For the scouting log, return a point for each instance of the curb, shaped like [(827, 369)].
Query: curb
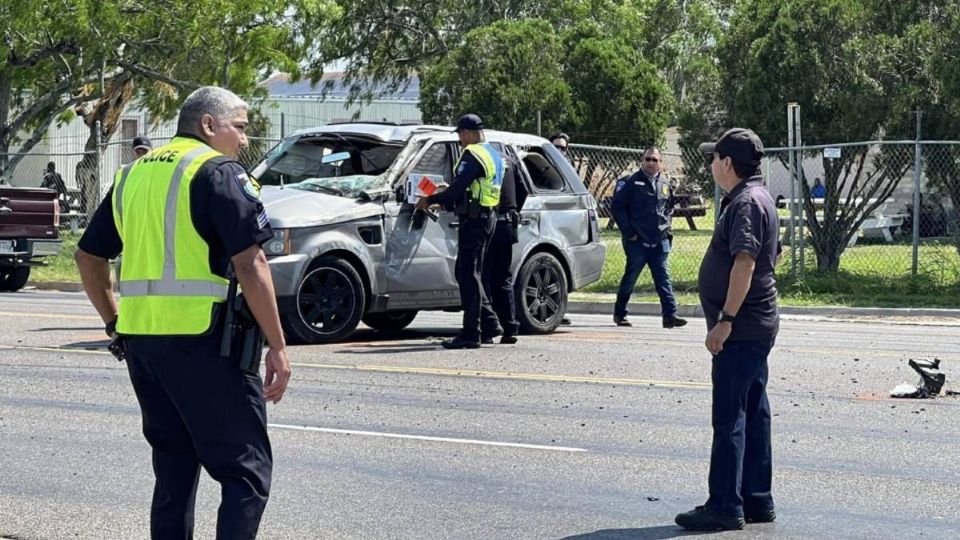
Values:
[(690, 310), (683, 310)]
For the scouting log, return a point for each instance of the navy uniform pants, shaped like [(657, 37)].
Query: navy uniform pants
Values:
[(741, 462), (639, 256), (498, 280), (473, 235), (200, 409)]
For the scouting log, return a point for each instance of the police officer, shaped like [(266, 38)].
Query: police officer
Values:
[(474, 195), (179, 216), (497, 277), (739, 298), (642, 207)]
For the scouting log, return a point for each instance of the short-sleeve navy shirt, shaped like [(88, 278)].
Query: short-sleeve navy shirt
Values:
[(227, 217), (748, 223)]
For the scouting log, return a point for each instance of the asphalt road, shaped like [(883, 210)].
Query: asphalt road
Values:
[(594, 432)]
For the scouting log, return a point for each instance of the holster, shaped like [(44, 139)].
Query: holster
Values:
[(248, 340)]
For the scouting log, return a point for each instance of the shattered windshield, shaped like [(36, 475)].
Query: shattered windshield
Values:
[(340, 165)]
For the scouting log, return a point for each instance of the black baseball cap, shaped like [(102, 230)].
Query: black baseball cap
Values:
[(142, 142), (471, 122), (739, 144)]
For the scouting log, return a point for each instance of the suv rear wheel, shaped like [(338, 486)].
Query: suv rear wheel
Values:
[(13, 278), (329, 303), (541, 293)]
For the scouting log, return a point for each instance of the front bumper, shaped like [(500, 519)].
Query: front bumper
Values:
[(287, 270)]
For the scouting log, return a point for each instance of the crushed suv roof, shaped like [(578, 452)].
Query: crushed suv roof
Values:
[(401, 133)]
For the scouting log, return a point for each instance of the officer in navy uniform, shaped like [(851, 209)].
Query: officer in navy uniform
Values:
[(474, 195), (198, 408), (643, 207), (497, 275), (738, 294)]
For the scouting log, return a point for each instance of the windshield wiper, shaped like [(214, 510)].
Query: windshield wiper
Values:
[(324, 189)]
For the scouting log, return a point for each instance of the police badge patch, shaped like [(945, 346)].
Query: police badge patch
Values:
[(666, 190), (250, 186), (620, 185)]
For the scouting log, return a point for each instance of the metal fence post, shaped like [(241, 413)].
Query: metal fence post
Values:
[(283, 125), (793, 191), (916, 198), (801, 207), (99, 169)]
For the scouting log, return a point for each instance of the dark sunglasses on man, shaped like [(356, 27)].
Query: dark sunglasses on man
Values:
[(651, 159), (562, 148)]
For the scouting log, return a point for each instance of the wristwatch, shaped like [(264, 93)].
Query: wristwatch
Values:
[(725, 317)]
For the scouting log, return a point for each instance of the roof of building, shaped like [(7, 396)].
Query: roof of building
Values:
[(279, 85)]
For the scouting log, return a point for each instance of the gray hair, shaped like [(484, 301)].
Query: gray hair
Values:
[(219, 103)]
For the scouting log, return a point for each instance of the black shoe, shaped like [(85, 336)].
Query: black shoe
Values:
[(764, 516), (565, 322), (508, 339), (702, 519), (486, 337), (674, 322), (460, 343), (622, 321)]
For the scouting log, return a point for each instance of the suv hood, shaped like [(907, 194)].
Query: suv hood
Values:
[(295, 208)]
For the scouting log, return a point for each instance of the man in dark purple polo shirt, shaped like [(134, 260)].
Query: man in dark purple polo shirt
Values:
[(739, 298)]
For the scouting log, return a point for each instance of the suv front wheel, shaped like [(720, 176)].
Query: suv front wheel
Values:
[(329, 303), (13, 278), (541, 294)]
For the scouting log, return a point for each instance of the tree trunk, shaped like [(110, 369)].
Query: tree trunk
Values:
[(106, 114)]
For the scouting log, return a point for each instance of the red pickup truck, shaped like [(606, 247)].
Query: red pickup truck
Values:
[(29, 231)]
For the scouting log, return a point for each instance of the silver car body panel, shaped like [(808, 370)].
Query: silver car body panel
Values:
[(412, 266)]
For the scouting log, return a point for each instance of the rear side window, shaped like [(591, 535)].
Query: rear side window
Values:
[(544, 175), (436, 161)]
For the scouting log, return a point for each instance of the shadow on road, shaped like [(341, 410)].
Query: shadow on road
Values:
[(644, 533)]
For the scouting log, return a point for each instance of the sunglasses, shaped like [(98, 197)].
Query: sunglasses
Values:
[(651, 159), (562, 148)]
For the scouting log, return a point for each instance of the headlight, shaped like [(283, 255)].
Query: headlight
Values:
[(279, 244)]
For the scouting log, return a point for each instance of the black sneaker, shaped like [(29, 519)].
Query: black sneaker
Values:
[(622, 321), (486, 337), (763, 516), (460, 343), (674, 322), (508, 339), (703, 519)]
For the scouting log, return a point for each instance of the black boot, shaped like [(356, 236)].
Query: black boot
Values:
[(703, 519)]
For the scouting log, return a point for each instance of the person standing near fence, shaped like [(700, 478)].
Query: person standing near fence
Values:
[(53, 180), (739, 298), (643, 207), (182, 217), (141, 146)]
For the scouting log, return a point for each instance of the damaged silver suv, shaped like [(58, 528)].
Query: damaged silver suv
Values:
[(349, 247)]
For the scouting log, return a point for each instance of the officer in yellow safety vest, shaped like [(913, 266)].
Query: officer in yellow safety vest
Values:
[(179, 216), (474, 195)]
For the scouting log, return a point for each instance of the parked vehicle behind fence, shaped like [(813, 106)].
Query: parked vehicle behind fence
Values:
[(349, 247), (29, 223)]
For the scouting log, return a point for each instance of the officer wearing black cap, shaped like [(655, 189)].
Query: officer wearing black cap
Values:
[(474, 195), (739, 299), (180, 216), (141, 146), (497, 277)]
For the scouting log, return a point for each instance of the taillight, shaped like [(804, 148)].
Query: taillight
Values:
[(594, 226), (56, 213)]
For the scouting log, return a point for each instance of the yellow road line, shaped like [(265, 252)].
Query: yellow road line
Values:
[(481, 374)]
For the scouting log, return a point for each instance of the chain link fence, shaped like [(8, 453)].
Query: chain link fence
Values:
[(849, 221)]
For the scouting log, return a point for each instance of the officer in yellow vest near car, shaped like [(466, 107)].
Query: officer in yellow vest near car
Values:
[(474, 195), (180, 216)]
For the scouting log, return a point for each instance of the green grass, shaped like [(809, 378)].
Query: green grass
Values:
[(59, 268), (872, 273)]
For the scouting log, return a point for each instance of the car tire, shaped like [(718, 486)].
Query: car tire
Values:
[(13, 278), (390, 321), (541, 294), (329, 303)]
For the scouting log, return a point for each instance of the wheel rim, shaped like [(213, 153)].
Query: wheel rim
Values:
[(543, 293), (326, 300)]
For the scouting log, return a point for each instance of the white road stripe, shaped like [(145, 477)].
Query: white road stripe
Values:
[(427, 438)]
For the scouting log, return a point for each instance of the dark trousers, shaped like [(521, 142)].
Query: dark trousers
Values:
[(473, 236), (198, 410), (498, 281), (741, 462), (639, 256)]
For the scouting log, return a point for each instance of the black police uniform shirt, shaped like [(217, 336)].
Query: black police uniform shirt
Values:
[(455, 196), (643, 207), (748, 223), (512, 191), (228, 217)]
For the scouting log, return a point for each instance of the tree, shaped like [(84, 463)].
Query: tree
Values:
[(507, 73), (807, 51)]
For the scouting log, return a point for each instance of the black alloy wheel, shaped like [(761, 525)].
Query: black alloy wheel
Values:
[(330, 302), (541, 293)]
